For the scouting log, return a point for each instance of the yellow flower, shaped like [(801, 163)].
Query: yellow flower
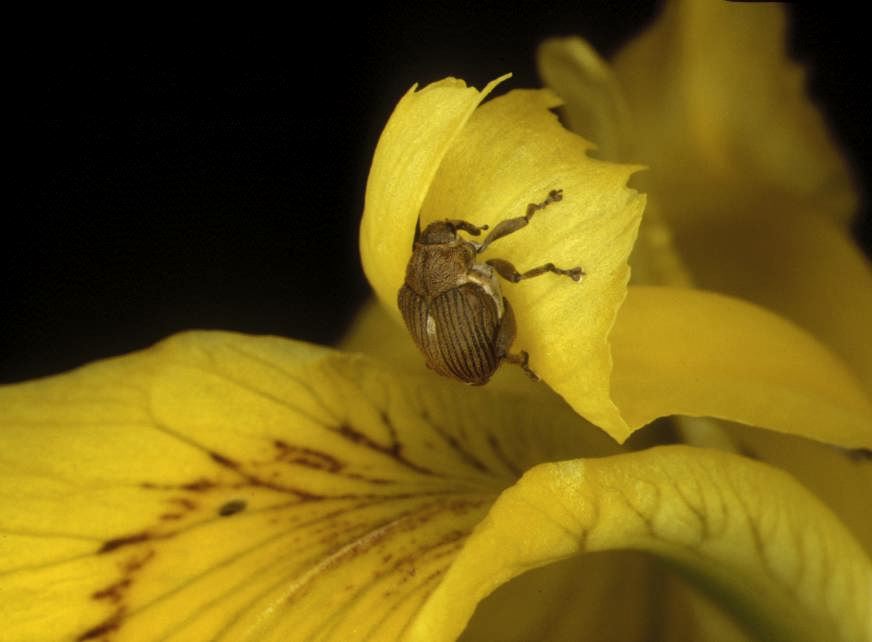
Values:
[(748, 196), (219, 486)]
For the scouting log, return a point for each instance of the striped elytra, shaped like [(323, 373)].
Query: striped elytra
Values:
[(464, 323)]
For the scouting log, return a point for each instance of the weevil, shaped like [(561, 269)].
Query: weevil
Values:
[(453, 306)]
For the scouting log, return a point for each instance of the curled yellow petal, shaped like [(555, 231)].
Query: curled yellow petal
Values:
[(596, 108), (689, 352), (219, 486), (776, 557), (421, 129), (510, 153)]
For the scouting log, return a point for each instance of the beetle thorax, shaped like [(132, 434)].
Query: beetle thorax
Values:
[(436, 268)]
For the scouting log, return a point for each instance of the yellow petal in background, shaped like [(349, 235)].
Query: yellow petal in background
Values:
[(722, 116), (779, 560), (225, 487), (748, 192), (802, 267), (416, 137), (688, 352), (513, 152), (595, 105), (841, 478), (619, 596), (586, 597)]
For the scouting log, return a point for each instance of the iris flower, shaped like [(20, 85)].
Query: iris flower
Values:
[(221, 486)]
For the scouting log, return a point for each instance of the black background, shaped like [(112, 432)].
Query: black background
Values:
[(213, 177)]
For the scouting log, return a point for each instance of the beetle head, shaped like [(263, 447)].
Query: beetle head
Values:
[(438, 233)]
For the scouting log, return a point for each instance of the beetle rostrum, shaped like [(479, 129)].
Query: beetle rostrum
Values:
[(453, 306)]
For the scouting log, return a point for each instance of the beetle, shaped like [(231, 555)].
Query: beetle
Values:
[(453, 306)]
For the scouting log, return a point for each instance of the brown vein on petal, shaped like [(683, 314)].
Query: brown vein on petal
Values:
[(412, 520), (698, 512), (392, 451), (115, 593), (446, 547), (320, 460), (312, 391), (497, 449), (454, 443), (404, 570)]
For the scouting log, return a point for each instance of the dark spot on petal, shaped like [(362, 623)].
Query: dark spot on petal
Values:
[(232, 507), (118, 542)]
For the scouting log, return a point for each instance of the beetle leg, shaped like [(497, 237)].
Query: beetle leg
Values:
[(503, 342), (504, 228), (509, 273), (506, 332), (522, 359), (466, 226)]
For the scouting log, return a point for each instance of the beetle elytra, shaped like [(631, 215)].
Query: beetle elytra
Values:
[(453, 306)]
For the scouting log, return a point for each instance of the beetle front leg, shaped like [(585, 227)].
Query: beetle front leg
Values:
[(509, 273), (504, 228)]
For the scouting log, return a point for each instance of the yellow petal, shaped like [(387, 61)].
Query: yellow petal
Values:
[(595, 108), (223, 486), (690, 614), (722, 116), (802, 267), (595, 105), (607, 596), (712, 89), (690, 352), (778, 559), (840, 478), (619, 596), (513, 152), (418, 134)]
